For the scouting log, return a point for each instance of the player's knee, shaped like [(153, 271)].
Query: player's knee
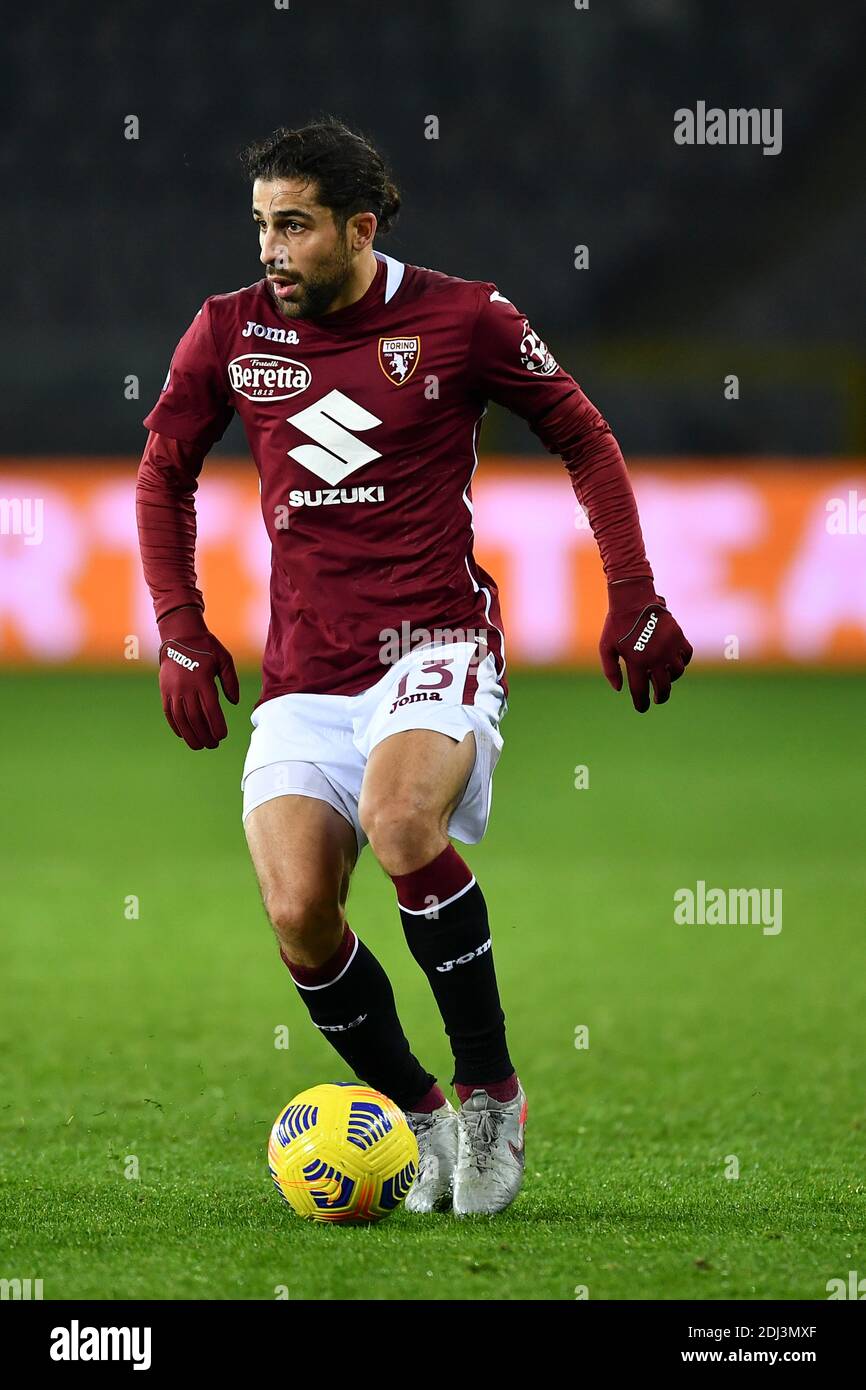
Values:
[(403, 835), (305, 922)]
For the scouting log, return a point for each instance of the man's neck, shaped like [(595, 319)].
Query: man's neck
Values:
[(361, 278)]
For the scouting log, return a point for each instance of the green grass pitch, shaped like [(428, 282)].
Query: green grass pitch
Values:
[(154, 1037)]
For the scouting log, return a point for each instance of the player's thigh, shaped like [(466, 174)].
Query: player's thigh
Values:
[(303, 852), (416, 774)]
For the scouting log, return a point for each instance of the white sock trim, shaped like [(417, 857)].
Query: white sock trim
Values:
[(336, 977), (437, 907)]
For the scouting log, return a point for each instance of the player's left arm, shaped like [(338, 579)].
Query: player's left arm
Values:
[(512, 366)]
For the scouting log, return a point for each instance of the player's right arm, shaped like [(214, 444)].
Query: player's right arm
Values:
[(192, 413)]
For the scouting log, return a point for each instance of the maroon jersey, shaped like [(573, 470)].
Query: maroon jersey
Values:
[(364, 428)]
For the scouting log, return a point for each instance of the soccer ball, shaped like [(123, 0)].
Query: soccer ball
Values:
[(342, 1152)]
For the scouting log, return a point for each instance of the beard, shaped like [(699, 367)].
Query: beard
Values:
[(317, 291)]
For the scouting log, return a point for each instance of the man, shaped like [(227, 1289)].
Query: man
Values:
[(362, 383)]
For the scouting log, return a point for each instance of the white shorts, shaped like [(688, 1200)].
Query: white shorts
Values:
[(318, 745)]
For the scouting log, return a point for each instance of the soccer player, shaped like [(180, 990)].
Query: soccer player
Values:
[(362, 383)]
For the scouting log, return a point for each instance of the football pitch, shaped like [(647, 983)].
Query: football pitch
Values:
[(696, 1102)]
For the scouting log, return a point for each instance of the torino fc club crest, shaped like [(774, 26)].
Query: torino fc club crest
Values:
[(398, 358)]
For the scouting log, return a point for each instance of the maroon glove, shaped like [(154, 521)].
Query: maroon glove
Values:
[(650, 641), (190, 659)]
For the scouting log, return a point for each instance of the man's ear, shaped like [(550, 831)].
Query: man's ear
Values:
[(362, 229)]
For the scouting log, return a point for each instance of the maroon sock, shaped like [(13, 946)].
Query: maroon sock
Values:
[(497, 1090), (329, 970), (433, 1100), (441, 881)]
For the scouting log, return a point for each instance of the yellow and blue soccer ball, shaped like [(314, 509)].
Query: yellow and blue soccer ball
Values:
[(342, 1152)]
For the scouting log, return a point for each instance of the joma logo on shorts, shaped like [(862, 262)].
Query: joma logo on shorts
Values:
[(464, 960), (181, 660), (647, 633), (413, 699)]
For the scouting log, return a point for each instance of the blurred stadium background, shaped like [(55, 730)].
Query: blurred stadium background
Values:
[(555, 131)]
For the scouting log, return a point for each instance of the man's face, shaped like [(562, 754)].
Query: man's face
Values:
[(305, 254)]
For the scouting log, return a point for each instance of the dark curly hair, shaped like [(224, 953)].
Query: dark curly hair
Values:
[(350, 172)]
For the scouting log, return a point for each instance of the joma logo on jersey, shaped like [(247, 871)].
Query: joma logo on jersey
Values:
[(647, 633), (273, 335), (181, 660), (465, 959), (398, 358), (413, 699), (261, 378)]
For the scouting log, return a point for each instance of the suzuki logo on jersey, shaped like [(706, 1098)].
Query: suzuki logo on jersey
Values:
[(337, 451), (398, 358), (536, 355), (262, 378), (332, 496), (274, 335)]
